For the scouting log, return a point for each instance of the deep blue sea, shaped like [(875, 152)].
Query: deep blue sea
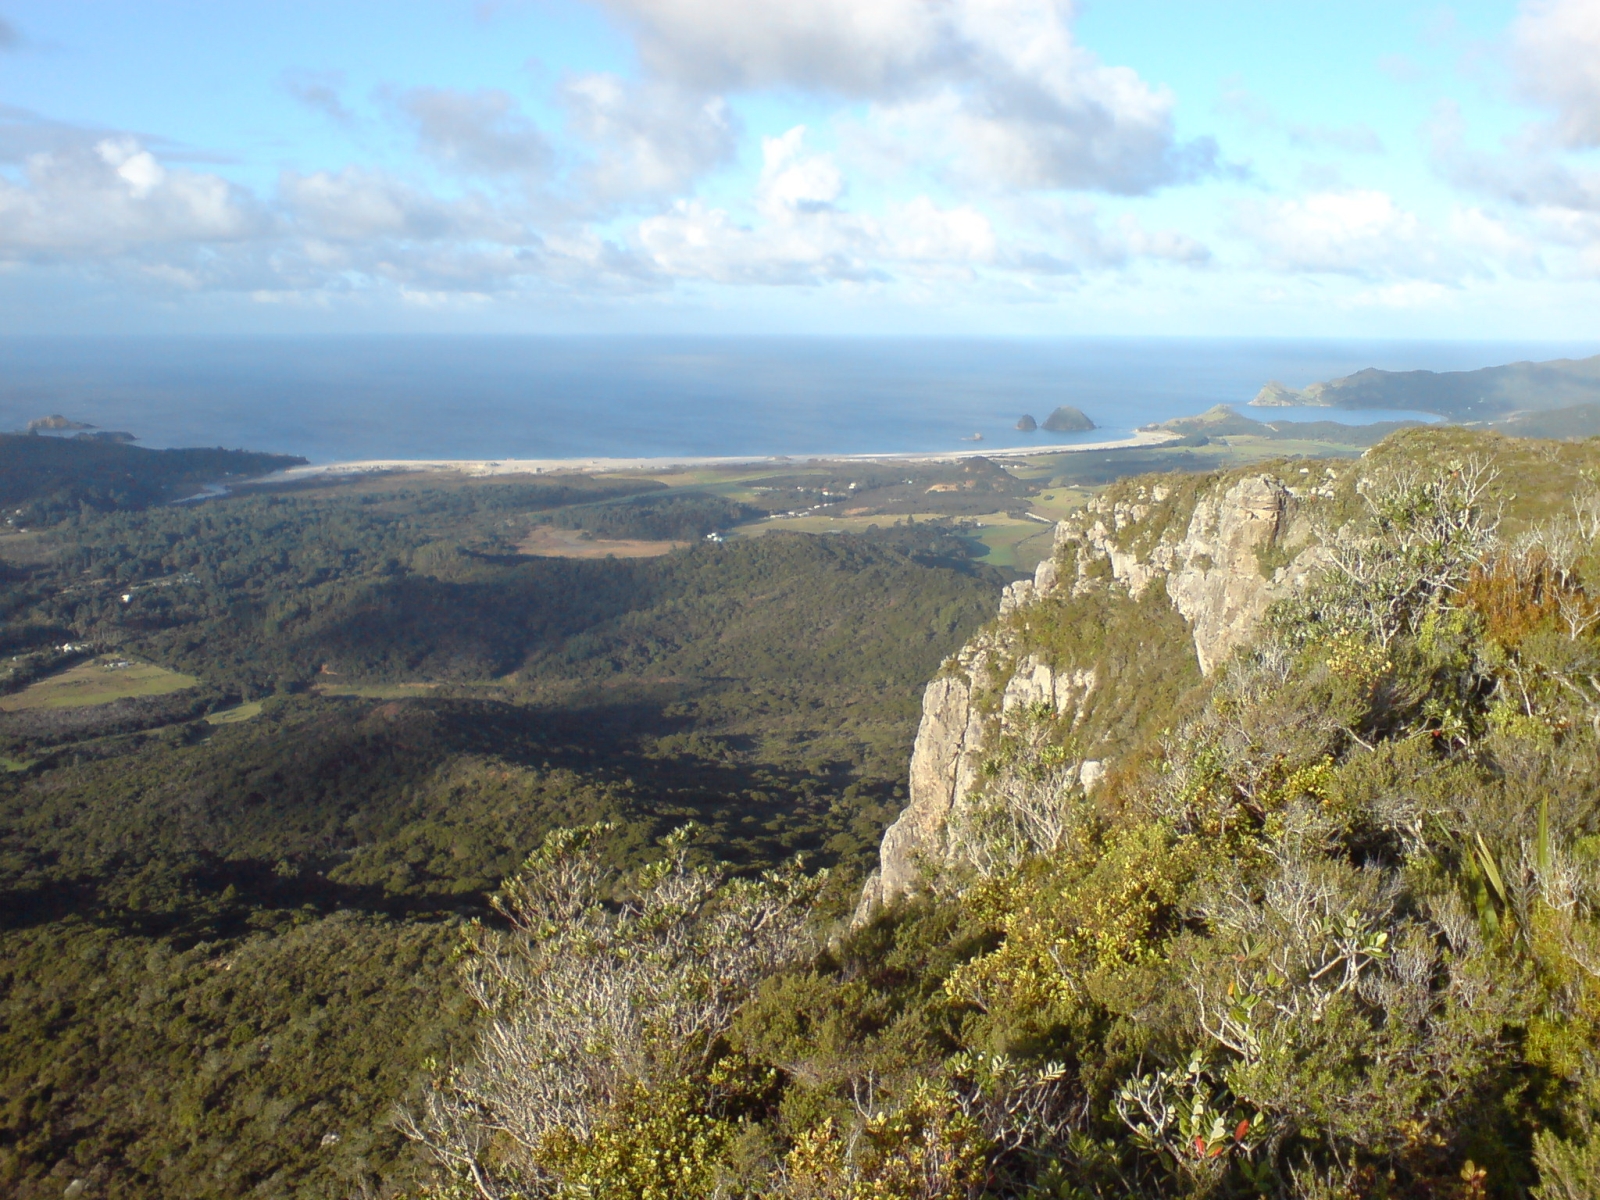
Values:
[(339, 398)]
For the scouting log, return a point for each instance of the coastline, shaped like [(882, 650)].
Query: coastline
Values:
[(538, 466)]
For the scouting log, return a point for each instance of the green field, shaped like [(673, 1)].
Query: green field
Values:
[(826, 524), (99, 681), (1019, 544), (235, 716)]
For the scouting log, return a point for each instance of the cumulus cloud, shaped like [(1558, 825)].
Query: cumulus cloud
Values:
[(646, 139), (1352, 233), (112, 196), (357, 204), (1070, 237), (1012, 94), (481, 132), (1541, 174), (1526, 173), (795, 182), (1556, 50), (1366, 235), (318, 91), (807, 234)]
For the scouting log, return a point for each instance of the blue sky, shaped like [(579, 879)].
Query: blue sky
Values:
[(831, 166)]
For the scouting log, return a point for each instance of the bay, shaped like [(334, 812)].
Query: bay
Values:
[(346, 398)]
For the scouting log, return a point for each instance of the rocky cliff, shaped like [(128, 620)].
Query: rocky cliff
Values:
[(1220, 551)]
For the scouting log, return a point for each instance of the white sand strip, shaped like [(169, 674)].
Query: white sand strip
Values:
[(591, 466)]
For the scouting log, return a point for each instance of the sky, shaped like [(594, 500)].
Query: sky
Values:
[(1251, 168)]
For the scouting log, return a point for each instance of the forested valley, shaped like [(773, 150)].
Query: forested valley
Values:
[(1250, 848), (230, 910)]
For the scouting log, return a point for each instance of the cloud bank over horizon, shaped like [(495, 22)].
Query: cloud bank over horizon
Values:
[(850, 164)]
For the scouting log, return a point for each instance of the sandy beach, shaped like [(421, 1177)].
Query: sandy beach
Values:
[(542, 466)]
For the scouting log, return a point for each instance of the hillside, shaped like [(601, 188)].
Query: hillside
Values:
[(1460, 395), (227, 912), (1223, 420), (45, 478), (1250, 851)]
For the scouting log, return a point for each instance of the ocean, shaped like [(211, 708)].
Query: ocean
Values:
[(336, 399)]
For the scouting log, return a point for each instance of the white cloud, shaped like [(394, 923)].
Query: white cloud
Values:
[(806, 235), (480, 132), (1556, 49), (794, 182), (1070, 236), (1365, 234), (356, 204), (114, 196), (854, 47), (1167, 244), (646, 139), (1010, 95), (1555, 199)]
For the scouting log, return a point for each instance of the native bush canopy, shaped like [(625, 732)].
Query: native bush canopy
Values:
[(228, 914), (530, 877), (1330, 928)]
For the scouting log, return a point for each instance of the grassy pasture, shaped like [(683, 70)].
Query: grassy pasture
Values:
[(236, 715), (1021, 544), (546, 541), (99, 681)]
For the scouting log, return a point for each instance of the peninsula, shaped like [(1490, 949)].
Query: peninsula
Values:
[(1480, 395)]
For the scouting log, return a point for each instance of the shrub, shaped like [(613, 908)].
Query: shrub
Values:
[(591, 1006)]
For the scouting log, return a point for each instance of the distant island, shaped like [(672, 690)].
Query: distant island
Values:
[(1460, 395), (1026, 423), (1067, 419), (56, 423)]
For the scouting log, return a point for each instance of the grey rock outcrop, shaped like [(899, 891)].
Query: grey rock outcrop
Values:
[(943, 769), (1221, 587), (1067, 419), (1240, 549)]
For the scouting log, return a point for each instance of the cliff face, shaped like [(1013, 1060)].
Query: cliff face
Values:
[(1242, 548), (1222, 556)]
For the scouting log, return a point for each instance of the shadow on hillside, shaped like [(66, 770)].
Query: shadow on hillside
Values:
[(260, 821)]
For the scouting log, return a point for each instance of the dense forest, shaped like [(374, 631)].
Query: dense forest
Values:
[(1326, 926), (226, 943), (467, 873), (44, 478)]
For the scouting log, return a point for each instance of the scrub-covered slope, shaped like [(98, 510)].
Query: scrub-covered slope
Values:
[(1254, 850)]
